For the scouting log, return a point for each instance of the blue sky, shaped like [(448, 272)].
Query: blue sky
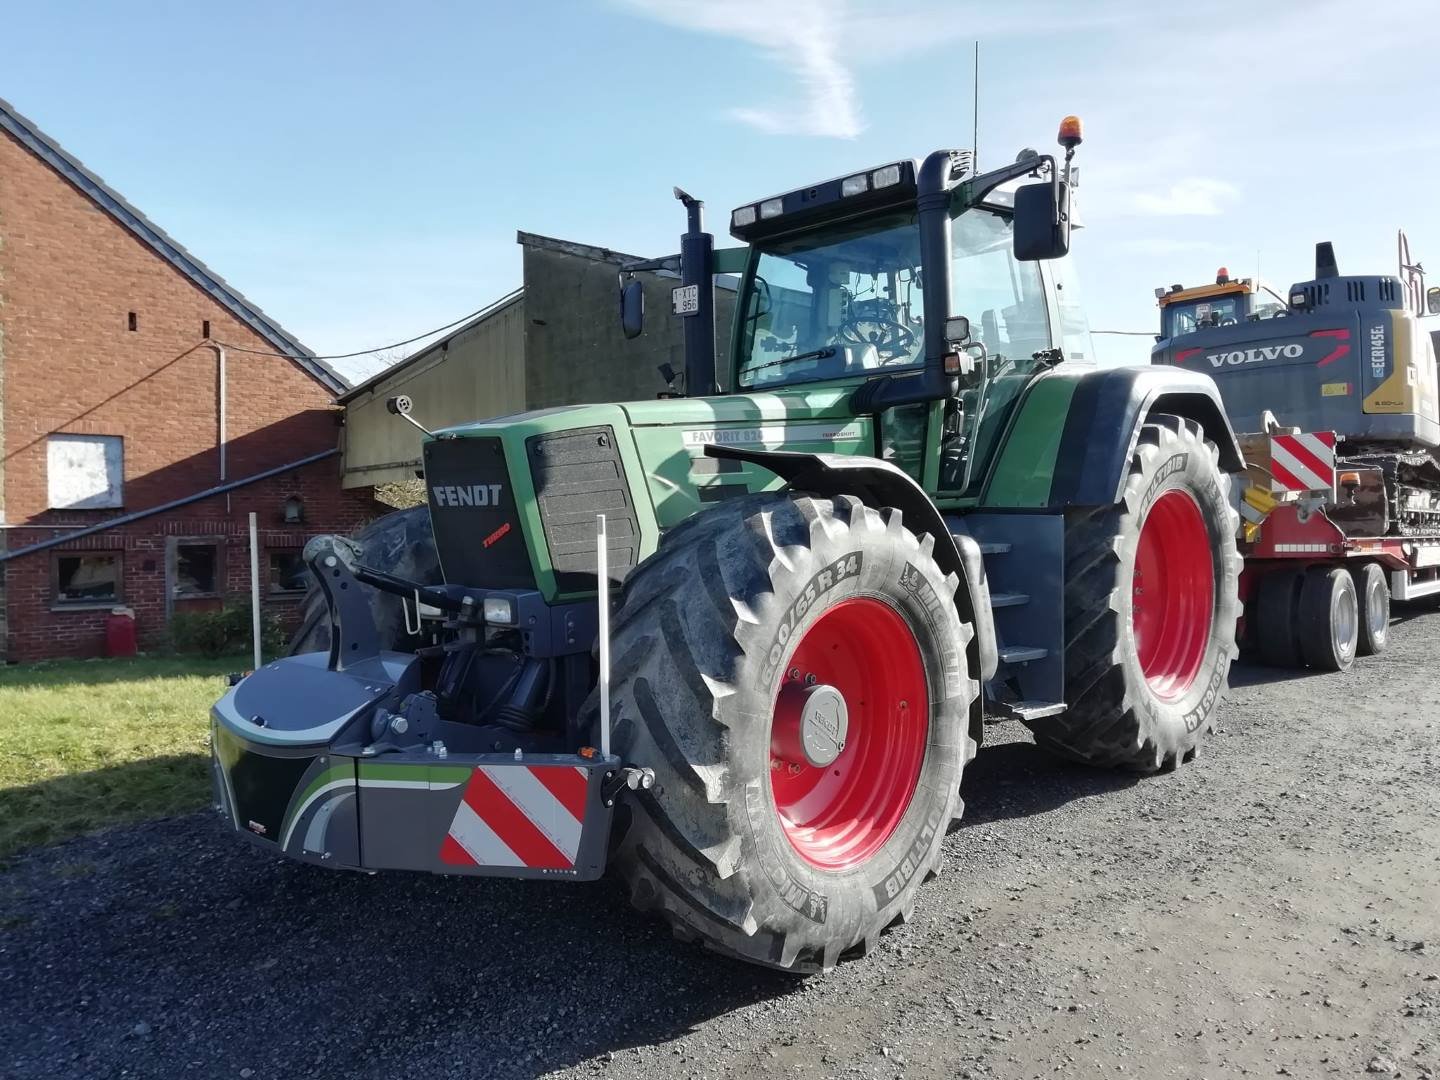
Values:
[(359, 170)]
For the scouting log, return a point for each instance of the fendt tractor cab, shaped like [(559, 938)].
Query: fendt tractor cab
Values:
[(916, 506)]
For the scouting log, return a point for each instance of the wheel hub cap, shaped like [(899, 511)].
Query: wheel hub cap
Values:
[(810, 724)]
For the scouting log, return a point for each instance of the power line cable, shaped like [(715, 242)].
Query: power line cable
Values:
[(362, 352)]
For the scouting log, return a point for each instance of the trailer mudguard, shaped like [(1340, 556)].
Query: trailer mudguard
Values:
[(880, 484), (1072, 435)]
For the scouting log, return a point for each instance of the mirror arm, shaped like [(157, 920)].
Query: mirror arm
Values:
[(983, 184)]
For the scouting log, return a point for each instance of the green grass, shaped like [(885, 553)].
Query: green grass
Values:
[(91, 743)]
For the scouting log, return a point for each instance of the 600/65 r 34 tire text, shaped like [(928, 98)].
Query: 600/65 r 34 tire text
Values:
[(793, 669), (1151, 603)]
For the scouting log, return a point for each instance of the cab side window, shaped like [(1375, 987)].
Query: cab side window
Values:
[(1003, 298)]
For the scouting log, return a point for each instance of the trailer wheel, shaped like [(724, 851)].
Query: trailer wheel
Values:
[(1277, 618), (1373, 592), (399, 543), (1151, 603), (793, 669), (1329, 619)]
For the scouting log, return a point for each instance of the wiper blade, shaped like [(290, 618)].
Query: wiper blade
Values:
[(813, 354)]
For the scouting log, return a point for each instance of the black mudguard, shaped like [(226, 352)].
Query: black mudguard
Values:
[(1109, 406)]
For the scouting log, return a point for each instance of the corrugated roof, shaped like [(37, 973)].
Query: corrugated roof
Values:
[(50, 152)]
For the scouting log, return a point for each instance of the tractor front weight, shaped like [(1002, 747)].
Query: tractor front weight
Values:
[(342, 759)]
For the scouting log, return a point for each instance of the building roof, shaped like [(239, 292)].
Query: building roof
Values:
[(50, 152)]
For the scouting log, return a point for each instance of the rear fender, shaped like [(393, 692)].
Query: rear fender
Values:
[(1101, 424), (879, 484)]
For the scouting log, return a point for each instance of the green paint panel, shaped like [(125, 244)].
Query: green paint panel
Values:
[(666, 468), (420, 772), (671, 436), (1025, 465)]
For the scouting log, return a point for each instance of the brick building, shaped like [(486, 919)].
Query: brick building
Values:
[(137, 432)]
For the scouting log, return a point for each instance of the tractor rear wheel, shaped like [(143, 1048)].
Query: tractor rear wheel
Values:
[(1151, 602), (793, 669), (1329, 619), (1373, 592)]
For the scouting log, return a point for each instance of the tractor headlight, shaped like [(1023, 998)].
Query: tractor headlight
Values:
[(889, 176), (772, 208), (499, 611), (742, 217), (855, 185)]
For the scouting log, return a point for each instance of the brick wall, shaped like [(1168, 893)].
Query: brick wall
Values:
[(70, 276)]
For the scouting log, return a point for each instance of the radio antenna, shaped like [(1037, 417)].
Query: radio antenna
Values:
[(975, 121)]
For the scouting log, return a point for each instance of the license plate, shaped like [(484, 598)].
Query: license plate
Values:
[(685, 300)]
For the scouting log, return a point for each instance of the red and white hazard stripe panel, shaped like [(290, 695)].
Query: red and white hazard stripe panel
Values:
[(517, 815), (1304, 462)]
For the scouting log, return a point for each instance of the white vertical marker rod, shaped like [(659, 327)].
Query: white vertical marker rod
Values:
[(602, 599), (255, 588)]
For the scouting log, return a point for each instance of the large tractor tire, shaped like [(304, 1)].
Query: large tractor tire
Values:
[(400, 543), (793, 669), (1151, 603)]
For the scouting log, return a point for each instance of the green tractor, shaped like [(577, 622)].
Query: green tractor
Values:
[(738, 647)]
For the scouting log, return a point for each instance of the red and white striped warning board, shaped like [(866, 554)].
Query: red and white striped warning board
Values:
[(1304, 462), (519, 815)]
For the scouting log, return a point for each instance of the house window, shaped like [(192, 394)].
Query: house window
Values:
[(92, 578), (197, 570), (85, 472), (288, 573)]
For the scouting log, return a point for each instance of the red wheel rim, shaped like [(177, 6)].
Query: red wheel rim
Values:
[(1173, 595), (838, 815)]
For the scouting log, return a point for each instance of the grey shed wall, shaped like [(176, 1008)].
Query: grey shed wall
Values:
[(478, 373), (575, 352), (557, 341)]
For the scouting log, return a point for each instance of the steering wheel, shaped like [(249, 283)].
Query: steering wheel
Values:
[(891, 339)]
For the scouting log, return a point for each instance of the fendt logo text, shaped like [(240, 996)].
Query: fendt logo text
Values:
[(1254, 356), (467, 494)]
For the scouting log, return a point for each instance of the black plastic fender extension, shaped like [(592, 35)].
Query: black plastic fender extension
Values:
[(1109, 407), (879, 484)]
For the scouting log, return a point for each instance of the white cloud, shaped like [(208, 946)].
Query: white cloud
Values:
[(1195, 196), (801, 36), (822, 42)]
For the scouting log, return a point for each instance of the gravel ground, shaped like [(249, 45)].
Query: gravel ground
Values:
[(1271, 909)]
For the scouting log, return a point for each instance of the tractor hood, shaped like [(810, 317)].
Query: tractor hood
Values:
[(513, 500)]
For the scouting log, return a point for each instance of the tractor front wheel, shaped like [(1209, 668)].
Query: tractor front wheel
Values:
[(793, 669), (1151, 603)]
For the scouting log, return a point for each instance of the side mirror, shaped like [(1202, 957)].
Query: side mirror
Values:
[(1042, 221), (1432, 300), (632, 308)]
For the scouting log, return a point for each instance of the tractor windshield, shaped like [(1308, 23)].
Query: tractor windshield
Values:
[(834, 302)]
